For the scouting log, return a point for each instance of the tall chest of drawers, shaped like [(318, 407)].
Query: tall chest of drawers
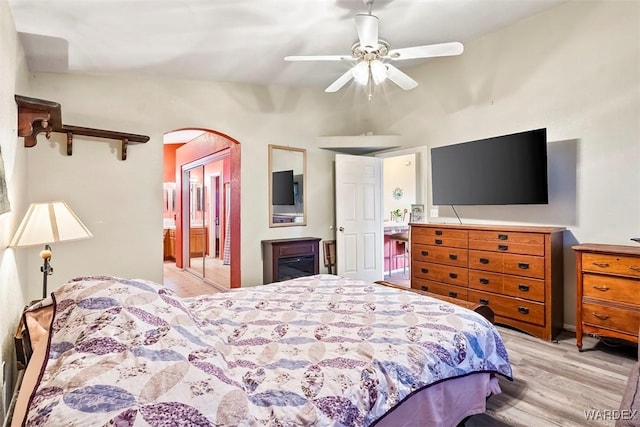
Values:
[(515, 270), (608, 291)]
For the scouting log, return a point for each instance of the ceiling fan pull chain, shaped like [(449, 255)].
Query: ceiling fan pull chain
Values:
[(370, 4), (370, 84)]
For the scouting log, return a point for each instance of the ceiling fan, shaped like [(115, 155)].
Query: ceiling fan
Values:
[(373, 56)]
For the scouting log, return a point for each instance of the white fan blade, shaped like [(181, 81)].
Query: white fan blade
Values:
[(400, 78), (427, 51), (341, 81), (318, 58), (367, 26)]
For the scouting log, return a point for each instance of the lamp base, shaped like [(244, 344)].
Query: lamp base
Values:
[(46, 268)]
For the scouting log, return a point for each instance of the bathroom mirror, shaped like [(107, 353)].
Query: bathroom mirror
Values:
[(287, 186)]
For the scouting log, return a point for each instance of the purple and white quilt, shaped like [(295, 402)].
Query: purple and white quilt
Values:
[(313, 351)]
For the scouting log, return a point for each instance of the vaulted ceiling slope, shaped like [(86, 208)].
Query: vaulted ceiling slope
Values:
[(239, 40)]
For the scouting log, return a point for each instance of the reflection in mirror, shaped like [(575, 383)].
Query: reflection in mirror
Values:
[(287, 186), (169, 203)]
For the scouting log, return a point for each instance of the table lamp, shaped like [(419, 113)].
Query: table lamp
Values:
[(45, 223)]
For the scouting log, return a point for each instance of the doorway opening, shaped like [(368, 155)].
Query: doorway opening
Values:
[(205, 238), (404, 181)]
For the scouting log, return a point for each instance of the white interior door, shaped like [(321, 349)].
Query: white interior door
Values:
[(359, 235)]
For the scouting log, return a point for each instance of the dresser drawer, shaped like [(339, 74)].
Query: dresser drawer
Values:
[(485, 281), (441, 273), (441, 255), (440, 289), (526, 311), (611, 264), (486, 261), (611, 288), (611, 317), (507, 237), (524, 265), (440, 237), (509, 247), (524, 287)]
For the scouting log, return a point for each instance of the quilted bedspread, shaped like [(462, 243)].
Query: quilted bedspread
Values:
[(318, 350)]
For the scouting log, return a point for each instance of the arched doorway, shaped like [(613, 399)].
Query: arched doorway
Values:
[(207, 176)]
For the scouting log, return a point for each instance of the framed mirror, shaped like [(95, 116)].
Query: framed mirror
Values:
[(287, 186)]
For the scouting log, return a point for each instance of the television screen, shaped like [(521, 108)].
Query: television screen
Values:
[(282, 188), (504, 170)]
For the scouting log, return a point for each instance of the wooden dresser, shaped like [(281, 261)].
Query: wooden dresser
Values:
[(516, 270), (608, 291)]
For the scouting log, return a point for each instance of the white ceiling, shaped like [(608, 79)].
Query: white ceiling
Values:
[(239, 40)]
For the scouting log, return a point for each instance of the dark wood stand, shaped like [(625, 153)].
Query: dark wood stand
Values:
[(274, 252)]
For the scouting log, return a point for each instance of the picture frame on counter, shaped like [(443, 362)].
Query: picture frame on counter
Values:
[(417, 213)]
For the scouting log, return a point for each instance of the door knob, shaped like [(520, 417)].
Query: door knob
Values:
[(340, 228)]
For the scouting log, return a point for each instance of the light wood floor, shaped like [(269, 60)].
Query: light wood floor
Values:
[(553, 383), (186, 284)]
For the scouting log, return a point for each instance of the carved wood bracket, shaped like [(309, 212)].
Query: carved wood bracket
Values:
[(37, 115)]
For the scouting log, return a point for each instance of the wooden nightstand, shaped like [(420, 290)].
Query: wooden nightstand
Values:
[(608, 291)]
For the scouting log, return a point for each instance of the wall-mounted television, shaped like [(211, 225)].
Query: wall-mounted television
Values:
[(503, 170), (282, 188)]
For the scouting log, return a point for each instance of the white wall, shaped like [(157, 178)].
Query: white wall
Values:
[(573, 69), (398, 172), (13, 266)]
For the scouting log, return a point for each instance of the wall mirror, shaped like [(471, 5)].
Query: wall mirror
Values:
[(287, 186)]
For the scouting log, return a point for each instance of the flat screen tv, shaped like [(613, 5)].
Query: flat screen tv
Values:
[(503, 170), (282, 188)]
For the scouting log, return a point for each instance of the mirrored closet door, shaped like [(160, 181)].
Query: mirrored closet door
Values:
[(205, 226)]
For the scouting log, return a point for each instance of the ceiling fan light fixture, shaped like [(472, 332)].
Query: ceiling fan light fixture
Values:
[(378, 71), (374, 58), (361, 73)]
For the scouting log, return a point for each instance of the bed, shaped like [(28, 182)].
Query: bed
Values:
[(320, 350)]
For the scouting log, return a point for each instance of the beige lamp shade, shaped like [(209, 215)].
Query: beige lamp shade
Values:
[(49, 222)]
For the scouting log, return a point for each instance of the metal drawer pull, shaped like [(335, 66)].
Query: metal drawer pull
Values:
[(453, 294), (484, 281), (601, 264), (438, 242), (484, 261), (523, 288), (425, 288), (453, 275), (523, 265), (523, 310), (503, 247), (634, 268), (484, 301), (601, 316), (438, 232), (503, 237), (424, 253), (455, 257), (601, 288), (424, 270)]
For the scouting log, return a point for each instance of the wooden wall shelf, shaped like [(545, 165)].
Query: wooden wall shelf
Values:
[(38, 115)]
